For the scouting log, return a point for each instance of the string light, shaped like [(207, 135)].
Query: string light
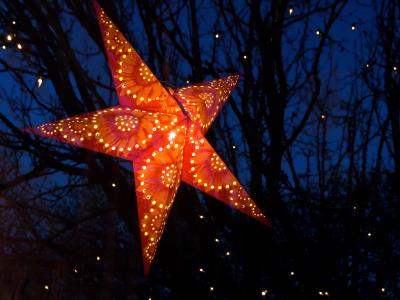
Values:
[(290, 11), (46, 287), (9, 37), (217, 35), (353, 27), (369, 234), (19, 46), (187, 81), (233, 147), (323, 293), (291, 273), (39, 81), (201, 216), (323, 117), (245, 56), (264, 293), (383, 290), (317, 32), (13, 22), (98, 258), (211, 289), (395, 68), (76, 271), (113, 184), (201, 270), (216, 240), (227, 253), (4, 47)]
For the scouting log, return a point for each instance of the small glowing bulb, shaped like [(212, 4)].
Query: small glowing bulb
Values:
[(320, 293), (98, 258), (201, 216), (76, 271), (211, 288), (217, 35), (395, 68), (46, 287), (201, 270), (172, 135), (317, 32), (383, 290), (9, 37), (291, 273), (290, 11), (244, 56), (264, 293), (13, 22), (323, 117), (353, 27), (369, 234), (227, 253), (4, 47), (39, 81), (355, 207), (234, 147), (367, 66), (187, 81), (113, 184), (326, 294), (216, 240), (19, 46)]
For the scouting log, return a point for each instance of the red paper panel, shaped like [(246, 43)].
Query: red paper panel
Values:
[(157, 177), (118, 131), (205, 170), (136, 85), (204, 101)]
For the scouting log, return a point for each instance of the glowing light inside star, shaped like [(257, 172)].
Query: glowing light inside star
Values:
[(172, 135)]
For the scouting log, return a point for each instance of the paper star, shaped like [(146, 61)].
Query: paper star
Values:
[(162, 133)]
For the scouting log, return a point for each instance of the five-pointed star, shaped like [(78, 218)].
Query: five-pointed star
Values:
[(162, 134)]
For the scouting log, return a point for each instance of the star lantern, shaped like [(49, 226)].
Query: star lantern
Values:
[(161, 132)]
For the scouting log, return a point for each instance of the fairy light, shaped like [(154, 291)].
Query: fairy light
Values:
[(39, 81), (264, 293), (46, 287), (217, 35), (201, 216), (291, 273), (19, 46), (290, 11), (201, 270), (14, 22), (216, 240), (383, 290), (317, 32), (233, 147), (369, 234), (76, 271), (245, 57), (113, 184), (323, 117), (353, 27), (4, 47), (227, 253), (98, 258), (9, 37), (395, 68), (211, 289)]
